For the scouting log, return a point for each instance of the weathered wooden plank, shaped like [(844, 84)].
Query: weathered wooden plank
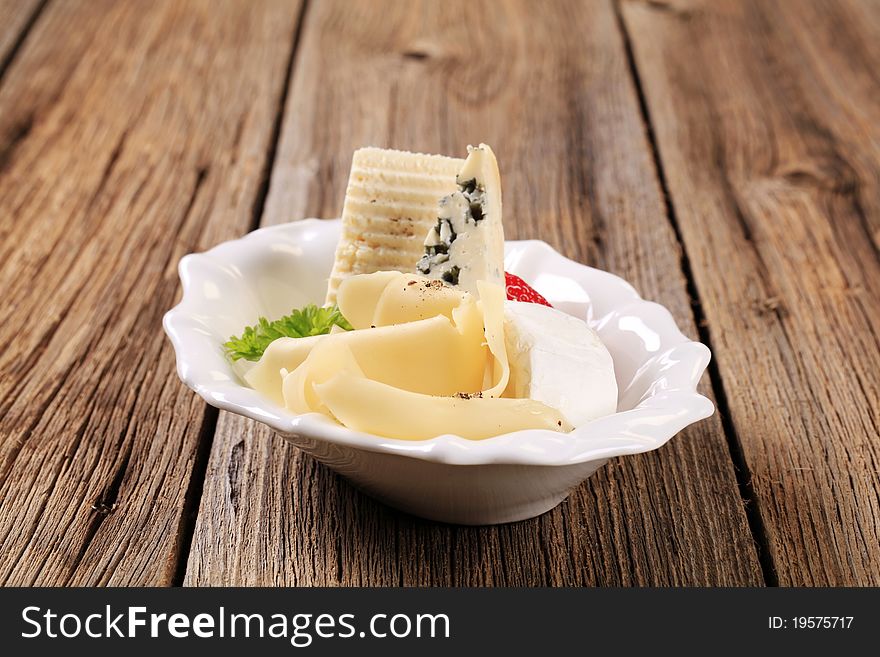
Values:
[(768, 122), (15, 19), (130, 134), (551, 91)]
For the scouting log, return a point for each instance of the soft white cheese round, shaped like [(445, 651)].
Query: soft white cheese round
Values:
[(559, 360)]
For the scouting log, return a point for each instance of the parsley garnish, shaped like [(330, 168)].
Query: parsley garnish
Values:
[(311, 320)]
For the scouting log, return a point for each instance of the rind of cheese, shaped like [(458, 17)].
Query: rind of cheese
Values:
[(390, 203), (466, 244)]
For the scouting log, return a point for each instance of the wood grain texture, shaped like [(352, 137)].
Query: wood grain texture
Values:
[(551, 91), (130, 134), (16, 17), (767, 117)]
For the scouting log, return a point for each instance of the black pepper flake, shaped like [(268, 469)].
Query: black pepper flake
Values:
[(372, 326), (559, 422)]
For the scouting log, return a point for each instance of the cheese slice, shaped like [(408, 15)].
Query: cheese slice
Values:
[(373, 407), (390, 203), (435, 356), (466, 243), (497, 376), (280, 357), (391, 297), (428, 359)]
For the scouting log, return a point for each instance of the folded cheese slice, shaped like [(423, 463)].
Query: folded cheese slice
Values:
[(442, 373), (392, 297), (390, 203), (387, 298), (432, 356), (376, 408)]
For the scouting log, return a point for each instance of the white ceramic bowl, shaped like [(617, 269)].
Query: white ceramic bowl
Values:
[(510, 477)]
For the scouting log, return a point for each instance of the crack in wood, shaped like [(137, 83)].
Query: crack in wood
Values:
[(106, 502), (17, 134), (275, 138), (832, 172), (415, 54), (103, 506), (26, 30), (102, 278), (109, 166), (206, 437), (233, 474), (741, 469), (59, 469), (582, 182), (834, 175), (193, 497)]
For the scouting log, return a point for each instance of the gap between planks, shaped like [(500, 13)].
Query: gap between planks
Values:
[(193, 498), (740, 467), (209, 430)]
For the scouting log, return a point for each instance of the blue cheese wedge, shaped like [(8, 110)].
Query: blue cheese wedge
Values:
[(390, 203), (466, 243)]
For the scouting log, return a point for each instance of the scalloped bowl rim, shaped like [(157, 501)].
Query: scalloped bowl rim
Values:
[(648, 426)]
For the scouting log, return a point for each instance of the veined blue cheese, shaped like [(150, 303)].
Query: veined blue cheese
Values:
[(466, 244)]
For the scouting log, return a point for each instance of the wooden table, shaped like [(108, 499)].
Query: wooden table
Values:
[(723, 156)]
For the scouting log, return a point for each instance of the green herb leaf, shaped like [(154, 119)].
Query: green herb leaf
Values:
[(310, 320)]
